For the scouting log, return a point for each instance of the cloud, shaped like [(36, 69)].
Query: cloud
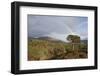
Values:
[(39, 25)]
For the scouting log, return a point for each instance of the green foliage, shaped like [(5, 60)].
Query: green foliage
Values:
[(73, 38)]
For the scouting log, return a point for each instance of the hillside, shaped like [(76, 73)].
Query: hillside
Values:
[(47, 48), (47, 39)]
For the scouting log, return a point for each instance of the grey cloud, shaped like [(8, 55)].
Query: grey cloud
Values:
[(43, 25)]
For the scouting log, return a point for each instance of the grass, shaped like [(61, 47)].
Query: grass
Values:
[(48, 50)]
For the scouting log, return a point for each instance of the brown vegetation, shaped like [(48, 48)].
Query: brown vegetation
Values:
[(48, 50)]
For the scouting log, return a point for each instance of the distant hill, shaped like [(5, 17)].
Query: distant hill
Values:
[(84, 41), (48, 38), (54, 39)]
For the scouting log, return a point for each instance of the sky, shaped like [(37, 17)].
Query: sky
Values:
[(58, 27)]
